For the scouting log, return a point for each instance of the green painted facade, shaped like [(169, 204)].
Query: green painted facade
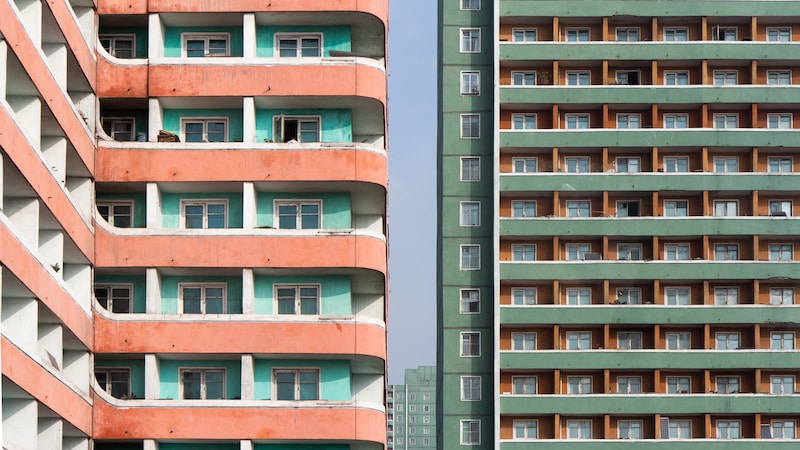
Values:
[(334, 377), (171, 207), (173, 37), (336, 207), (412, 408), (170, 291), (172, 120), (336, 125), (169, 374), (335, 293)]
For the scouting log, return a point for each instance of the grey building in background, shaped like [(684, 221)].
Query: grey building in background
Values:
[(412, 410)]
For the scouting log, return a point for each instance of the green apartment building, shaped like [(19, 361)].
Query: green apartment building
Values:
[(618, 240), (411, 411)]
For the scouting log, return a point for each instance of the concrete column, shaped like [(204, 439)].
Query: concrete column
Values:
[(152, 291), (248, 378), (152, 377), (245, 445), (155, 37), (248, 292), (155, 119), (249, 205), (249, 32), (249, 120), (153, 206), (150, 444)]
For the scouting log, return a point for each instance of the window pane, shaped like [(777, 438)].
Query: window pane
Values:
[(310, 47), (309, 216), (194, 131), (215, 384), (195, 48), (192, 300), (308, 300), (284, 382), (216, 215), (288, 48), (216, 132), (309, 386), (214, 300), (286, 300), (287, 216), (192, 388)]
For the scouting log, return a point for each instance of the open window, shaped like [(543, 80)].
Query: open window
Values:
[(296, 129), (119, 128), (115, 381), (116, 298)]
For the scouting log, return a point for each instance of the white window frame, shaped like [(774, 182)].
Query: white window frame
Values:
[(625, 248), (727, 164), (112, 42), (727, 426), (628, 32), (299, 203), (623, 77), (779, 76), (726, 251), (206, 37), (629, 296), (579, 119), (727, 340), (525, 382), (578, 33), (580, 427), (783, 335), (579, 76), (577, 164), (785, 424), (203, 384), (528, 295), (297, 298), (682, 384), (477, 128), (205, 203), (729, 120), (779, 31), (580, 339), (525, 339), (579, 209), (469, 379), (296, 371), (676, 161), (677, 249), (781, 380), (470, 82), (629, 427), (203, 287), (527, 121), (529, 428), (582, 296), (467, 301), (109, 371), (676, 119), (471, 435), (677, 205), (624, 208), (526, 164), (466, 214), (723, 32), (525, 207), (726, 295), (525, 31), (477, 257), (678, 76), (626, 161), (526, 251), (681, 426), (783, 204), (298, 37), (468, 169), (279, 128), (205, 121), (777, 249), (468, 5), (675, 31), (726, 207), (631, 121), (111, 205), (725, 77), (629, 340), (677, 293), (109, 287), (678, 340), (724, 383), (781, 160), (466, 339), (784, 121), (524, 76), (624, 385), (114, 121), (576, 251), (466, 43)]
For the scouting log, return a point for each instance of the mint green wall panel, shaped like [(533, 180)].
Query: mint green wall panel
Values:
[(139, 205), (336, 124), (336, 207), (140, 33), (301, 447), (137, 372), (117, 446), (172, 120), (172, 446), (334, 377), (172, 39), (139, 288), (336, 294), (333, 38), (170, 291), (169, 371), (171, 207)]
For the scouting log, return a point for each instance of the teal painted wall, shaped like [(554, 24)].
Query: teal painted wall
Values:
[(141, 37), (172, 120), (337, 124), (117, 446), (171, 207), (334, 377), (333, 38), (139, 288), (137, 372), (139, 205), (169, 446), (335, 207), (169, 291), (172, 39), (301, 447), (170, 374), (335, 292)]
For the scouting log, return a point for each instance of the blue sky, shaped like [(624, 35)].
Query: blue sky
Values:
[(412, 186)]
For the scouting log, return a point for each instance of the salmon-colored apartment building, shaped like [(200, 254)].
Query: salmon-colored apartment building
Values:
[(193, 248)]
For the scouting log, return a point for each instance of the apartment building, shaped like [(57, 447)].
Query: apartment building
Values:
[(411, 410), (618, 233), (193, 246)]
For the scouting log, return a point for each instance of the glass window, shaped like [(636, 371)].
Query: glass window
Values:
[(780, 164), (470, 83), (470, 40), (526, 429), (782, 340), (726, 77), (629, 252), (728, 385), (680, 429), (205, 130), (527, 78), (114, 381), (523, 385), (628, 165), (578, 78), (677, 296), (523, 341), (782, 384), (297, 299), (470, 168), (679, 341), (727, 341), (726, 164), (726, 252), (676, 164), (470, 301), (119, 45), (523, 121), (783, 429), (627, 340), (779, 77), (674, 34), (524, 34), (293, 129), (726, 121), (202, 384), (726, 208), (578, 164), (470, 388), (678, 385), (676, 121), (524, 165), (298, 215), (119, 128), (118, 213), (676, 77), (629, 429), (779, 34), (676, 208), (729, 429), (578, 208), (579, 340), (470, 126), (523, 296), (577, 34), (779, 121), (629, 385), (470, 257), (676, 252), (523, 252), (628, 77), (579, 385), (470, 344), (296, 384), (579, 296), (201, 45), (577, 252), (781, 296), (726, 295), (627, 34), (629, 120), (628, 208), (781, 252), (780, 207), (579, 429), (470, 4), (299, 46), (116, 298), (577, 121), (724, 33), (470, 214), (205, 298), (470, 432), (523, 208)]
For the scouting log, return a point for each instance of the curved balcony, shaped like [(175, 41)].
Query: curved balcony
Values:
[(121, 78)]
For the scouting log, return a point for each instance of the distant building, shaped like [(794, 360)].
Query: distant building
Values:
[(411, 410)]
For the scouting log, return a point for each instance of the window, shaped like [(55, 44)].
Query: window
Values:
[(470, 388), (523, 208), (779, 121), (726, 77), (299, 45), (783, 429), (675, 34), (524, 34), (119, 45), (629, 296), (579, 429), (470, 214), (728, 341), (577, 34), (677, 296), (523, 121), (780, 207), (523, 252), (470, 83), (425, 398), (781, 252), (726, 208), (726, 252), (781, 296), (412, 408), (676, 121), (676, 252), (117, 213), (426, 442), (523, 296), (728, 385), (578, 208), (527, 78), (198, 129), (676, 164), (523, 385), (676, 77), (120, 128), (470, 432), (470, 344), (470, 126), (470, 301), (726, 164), (779, 34), (205, 298), (578, 164), (627, 34), (676, 208), (729, 429), (296, 384), (629, 429), (205, 45), (290, 129), (579, 340), (577, 252), (526, 429), (116, 298), (523, 341), (578, 78), (577, 121), (678, 385), (202, 384), (299, 299), (298, 214), (579, 296), (470, 40), (680, 429), (629, 252), (723, 33), (629, 385), (628, 77), (627, 340), (679, 341), (470, 168), (473, 5), (781, 340), (524, 165), (628, 165), (780, 164), (726, 121), (779, 77), (115, 381), (782, 384), (470, 257), (628, 208)]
